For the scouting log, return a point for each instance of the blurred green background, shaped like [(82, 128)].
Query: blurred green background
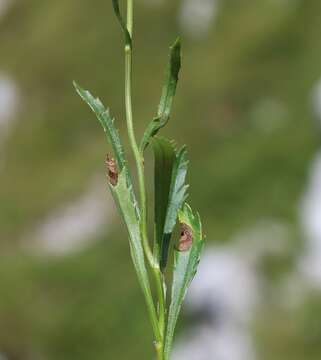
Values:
[(243, 107)]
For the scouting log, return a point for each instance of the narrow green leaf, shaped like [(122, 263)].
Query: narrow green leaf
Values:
[(165, 157), (177, 196), (128, 39), (185, 268), (107, 122), (122, 194), (166, 101)]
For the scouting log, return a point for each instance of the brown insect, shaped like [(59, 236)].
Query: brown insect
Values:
[(186, 240), (112, 170)]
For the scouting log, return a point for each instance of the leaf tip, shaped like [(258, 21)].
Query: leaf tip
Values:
[(177, 44), (78, 88)]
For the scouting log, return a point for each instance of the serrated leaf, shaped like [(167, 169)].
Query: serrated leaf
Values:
[(185, 267), (107, 122), (164, 153), (177, 196), (128, 39), (121, 194), (168, 93)]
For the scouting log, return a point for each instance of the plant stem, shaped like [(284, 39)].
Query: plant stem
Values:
[(131, 134), (158, 324)]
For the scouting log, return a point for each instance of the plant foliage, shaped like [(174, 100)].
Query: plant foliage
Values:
[(170, 190)]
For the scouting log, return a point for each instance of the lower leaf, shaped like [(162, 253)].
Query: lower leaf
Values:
[(185, 267), (122, 196)]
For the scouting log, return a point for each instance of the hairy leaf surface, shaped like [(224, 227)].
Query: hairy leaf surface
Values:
[(167, 97), (185, 268)]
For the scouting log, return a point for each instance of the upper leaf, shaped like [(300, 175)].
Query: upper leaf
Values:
[(185, 268), (177, 196), (166, 101), (107, 122), (128, 39), (165, 157)]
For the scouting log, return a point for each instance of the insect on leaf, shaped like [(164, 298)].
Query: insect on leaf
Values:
[(185, 267), (167, 97)]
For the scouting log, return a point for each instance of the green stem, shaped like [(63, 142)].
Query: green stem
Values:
[(159, 351), (131, 134), (161, 291), (158, 324)]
